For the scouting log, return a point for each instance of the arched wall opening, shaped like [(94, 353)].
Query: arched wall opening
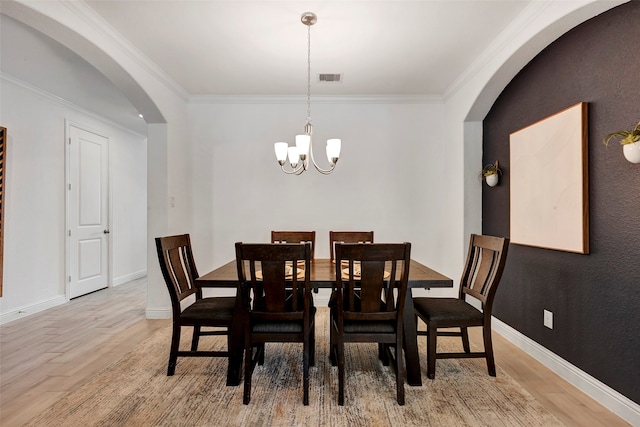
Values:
[(163, 108)]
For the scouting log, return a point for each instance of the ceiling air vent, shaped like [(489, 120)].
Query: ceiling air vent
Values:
[(329, 78)]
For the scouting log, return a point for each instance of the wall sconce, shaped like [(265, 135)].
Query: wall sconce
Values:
[(491, 174)]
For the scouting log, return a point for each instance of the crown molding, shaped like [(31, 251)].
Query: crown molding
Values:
[(319, 99)]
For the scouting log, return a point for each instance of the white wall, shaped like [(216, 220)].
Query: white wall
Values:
[(388, 179), (129, 208), (34, 251)]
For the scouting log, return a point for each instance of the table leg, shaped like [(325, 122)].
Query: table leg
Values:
[(236, 344), (412, 360)]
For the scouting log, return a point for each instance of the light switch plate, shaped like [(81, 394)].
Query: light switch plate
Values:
[(548, 319)]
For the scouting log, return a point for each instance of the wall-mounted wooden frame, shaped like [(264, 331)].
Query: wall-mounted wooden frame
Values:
[(3, 163), (549, 193)]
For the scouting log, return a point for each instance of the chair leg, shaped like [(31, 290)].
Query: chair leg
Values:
[(465, 339), (488, 349), (340, 351), (305, 372), (195, 339), (312, 346), (383, 354), (173, 353), (333, 358), (229, 339), (432, 331), (400, 372), (332, 346), (248, 370), (261, 354)]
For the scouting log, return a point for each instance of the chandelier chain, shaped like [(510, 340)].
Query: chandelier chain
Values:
[(308, 73)]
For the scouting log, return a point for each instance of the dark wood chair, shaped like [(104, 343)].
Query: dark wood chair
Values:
[(271, 313), (345, 237), (295, 237), (480, 278), (370, 291), (179, 271), (348, 237)]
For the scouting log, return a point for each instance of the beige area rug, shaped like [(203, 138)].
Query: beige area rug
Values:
[(135, 391)]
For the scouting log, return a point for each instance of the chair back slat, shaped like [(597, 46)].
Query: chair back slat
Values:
[(483, 269), (273, 272), (372, 285)]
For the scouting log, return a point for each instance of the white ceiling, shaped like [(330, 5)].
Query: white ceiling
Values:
[(215, 47), (260, 47)]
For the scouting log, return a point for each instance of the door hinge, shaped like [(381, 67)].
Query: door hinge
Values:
[(69, 233), (69, 279), (69, 187), (69, 140)]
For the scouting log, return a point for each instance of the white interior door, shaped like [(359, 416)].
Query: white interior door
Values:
[(88, 214)]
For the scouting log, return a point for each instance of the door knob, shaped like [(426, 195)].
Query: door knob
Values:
[(106, 232)]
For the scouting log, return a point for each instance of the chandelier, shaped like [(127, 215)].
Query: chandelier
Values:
[(300, 154)]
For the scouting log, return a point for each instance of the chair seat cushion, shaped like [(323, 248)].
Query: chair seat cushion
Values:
[(447, 311), (209, 311), (280, 326), (369, 327)]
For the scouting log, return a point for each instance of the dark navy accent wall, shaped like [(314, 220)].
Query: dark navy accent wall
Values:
[(595, 298)]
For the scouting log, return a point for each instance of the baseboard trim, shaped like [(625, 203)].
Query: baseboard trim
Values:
[(121, 280), (617, 403), (29, 309), (158, 313)]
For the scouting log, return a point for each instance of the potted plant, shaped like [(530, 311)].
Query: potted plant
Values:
[(490, 173), (630, 141)]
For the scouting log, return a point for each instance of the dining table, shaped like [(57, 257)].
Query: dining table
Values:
[(323, 275)]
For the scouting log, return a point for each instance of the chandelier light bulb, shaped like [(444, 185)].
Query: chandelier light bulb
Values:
[(294, 157), (281, 152), (333, 150)]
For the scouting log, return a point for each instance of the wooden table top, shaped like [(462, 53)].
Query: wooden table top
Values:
[(323, 275)]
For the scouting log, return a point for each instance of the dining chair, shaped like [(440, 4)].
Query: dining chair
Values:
[(348, 237), (480, 278), (370, 299), (270, 313), (345, 237), (179, 272), (295, 237)]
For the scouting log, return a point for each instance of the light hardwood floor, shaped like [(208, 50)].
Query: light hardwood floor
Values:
[(47, 355)]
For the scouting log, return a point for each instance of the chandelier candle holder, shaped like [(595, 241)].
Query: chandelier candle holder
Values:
[(300, 153)]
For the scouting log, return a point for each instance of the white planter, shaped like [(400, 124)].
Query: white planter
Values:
[(492, 180), (632, 152)]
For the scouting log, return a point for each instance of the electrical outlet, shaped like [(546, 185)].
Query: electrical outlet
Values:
[(548, 319)]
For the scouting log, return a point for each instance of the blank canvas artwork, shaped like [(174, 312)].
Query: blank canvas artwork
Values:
[(548, 182)]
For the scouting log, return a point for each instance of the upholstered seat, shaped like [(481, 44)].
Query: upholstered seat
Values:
[(445, 310), (206, 309)]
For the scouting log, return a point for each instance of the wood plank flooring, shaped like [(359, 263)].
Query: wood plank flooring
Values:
[(47, 355)]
